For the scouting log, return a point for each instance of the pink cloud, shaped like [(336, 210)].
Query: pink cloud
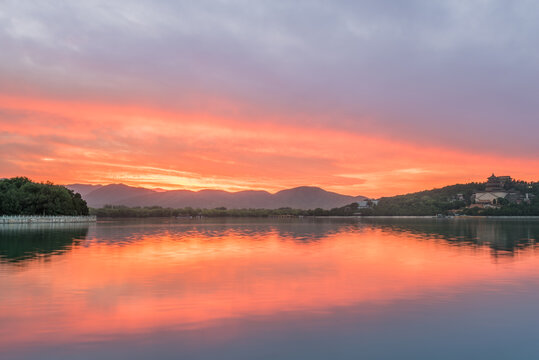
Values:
[(68, 142)]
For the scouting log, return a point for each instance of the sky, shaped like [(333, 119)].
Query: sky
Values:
[(371, 98)]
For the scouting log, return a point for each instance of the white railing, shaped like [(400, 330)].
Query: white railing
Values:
[(20, 219)]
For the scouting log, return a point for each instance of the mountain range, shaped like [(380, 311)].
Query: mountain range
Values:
[(304, 197)]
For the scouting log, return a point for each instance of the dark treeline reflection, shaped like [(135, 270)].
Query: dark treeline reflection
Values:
[(20, 242), (304, 230), (25, 242), (499, 234)]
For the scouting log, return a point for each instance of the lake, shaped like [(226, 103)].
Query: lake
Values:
[(270, 289)]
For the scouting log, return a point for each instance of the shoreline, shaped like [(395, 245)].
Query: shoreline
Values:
[(45, 219), (61, 219), (358, 217), (430, 217)]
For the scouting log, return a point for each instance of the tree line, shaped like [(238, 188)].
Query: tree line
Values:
[(119, 211), (21, 196), (447, 200)]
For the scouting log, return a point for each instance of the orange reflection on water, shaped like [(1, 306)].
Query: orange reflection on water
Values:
[(173, 281)]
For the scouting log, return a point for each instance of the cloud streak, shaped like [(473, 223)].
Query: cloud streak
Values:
[(149, 148), (270, 94)]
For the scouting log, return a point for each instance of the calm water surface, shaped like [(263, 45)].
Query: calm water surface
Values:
[(256, 289)]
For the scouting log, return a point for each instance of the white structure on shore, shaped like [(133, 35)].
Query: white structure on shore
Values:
[(33, 219), (367, 203), (494, 191)]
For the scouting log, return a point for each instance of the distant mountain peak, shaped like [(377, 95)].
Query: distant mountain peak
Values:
[(307, 189), (301, 197)]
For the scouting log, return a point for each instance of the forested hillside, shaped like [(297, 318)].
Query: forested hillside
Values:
[(428, 202), (454, 197)]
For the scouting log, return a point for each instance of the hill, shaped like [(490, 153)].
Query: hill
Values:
[(458, 199), (427, 202), (304, 197), (113, 194), (83, 189)]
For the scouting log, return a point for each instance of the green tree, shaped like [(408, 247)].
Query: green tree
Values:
[(21, 196)]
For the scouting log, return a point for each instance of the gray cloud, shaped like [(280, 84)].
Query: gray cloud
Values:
[(460, 73)]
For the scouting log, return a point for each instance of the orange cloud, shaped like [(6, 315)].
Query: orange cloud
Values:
[(68, 142)]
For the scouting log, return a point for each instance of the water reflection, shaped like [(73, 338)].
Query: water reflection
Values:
[(20, 242), (307, 230), (503, 236), (23, 242), (195, 286)]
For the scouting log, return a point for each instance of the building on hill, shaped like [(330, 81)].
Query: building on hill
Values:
[(489, 197), (457, 197), (496, 183), (494, 193), (367, 203)]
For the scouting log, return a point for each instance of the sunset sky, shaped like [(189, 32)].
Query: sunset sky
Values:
[(367, 98)]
